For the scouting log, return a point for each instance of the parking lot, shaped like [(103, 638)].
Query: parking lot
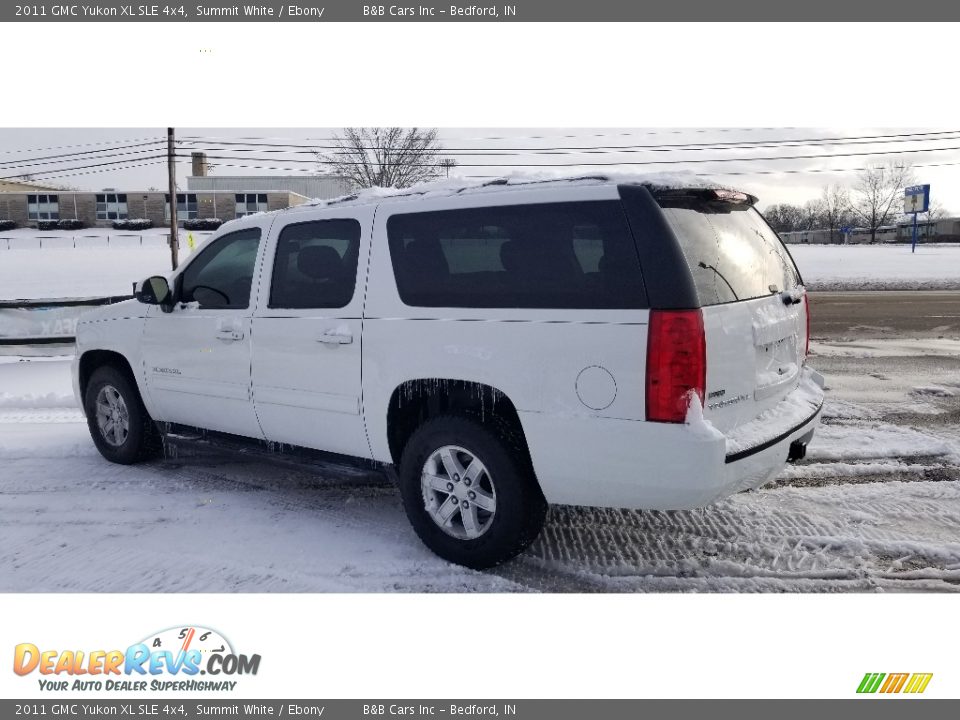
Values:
[(874, 506)]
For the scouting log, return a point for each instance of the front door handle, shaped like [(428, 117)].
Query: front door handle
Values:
[(231, 335), (336, 337)]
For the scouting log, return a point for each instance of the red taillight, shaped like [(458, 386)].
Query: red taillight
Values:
[(676, 363), (806, 311)]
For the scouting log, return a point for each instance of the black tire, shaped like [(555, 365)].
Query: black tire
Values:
[(142, 440), (520, 505)]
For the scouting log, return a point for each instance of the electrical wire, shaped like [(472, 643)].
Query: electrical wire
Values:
[(704, 174), (80, 167), (693, 161), (73, 160), (68, 147), (296, 148), (94, 172)]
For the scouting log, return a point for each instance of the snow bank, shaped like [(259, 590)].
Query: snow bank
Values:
[(34, 401), (900, 347), (878, 267), (833, 470), (873, 440), (36, 384), (37, 441)]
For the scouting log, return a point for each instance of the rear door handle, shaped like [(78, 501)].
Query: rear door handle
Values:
[(335, 337), (232, 335)]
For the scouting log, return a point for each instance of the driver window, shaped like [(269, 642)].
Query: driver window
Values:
[(222, 275)]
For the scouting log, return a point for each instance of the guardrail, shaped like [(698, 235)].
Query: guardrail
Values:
[(46, 321), (39, 242)]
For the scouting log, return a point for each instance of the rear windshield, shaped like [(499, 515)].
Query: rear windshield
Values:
[(551, 255), (732, 252)]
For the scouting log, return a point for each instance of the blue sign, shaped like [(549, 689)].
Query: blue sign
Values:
[(916, 199)]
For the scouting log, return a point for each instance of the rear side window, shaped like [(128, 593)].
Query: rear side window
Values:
[(550, 255), (316, 265), (732, 252)]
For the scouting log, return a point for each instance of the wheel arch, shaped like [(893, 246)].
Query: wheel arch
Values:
[(415, 401), (90, 360)]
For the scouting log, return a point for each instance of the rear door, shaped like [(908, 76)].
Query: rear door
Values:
[(752, 299), (307, 331)]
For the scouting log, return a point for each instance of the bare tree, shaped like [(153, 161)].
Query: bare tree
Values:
[(935, 213), (835, 208), (811, 215), (876, 194), (384, 157), (784, 217)]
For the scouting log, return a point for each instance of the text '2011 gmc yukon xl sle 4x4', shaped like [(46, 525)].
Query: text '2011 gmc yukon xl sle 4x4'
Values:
[(505, 346)]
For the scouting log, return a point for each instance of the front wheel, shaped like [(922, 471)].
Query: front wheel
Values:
[(119, 424), (471, 497)]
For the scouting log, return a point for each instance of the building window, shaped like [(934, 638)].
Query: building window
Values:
[(111, 206), (186, 206), (250, 203), (43, 207)]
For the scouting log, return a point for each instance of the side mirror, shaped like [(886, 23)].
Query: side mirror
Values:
[(153, 291)]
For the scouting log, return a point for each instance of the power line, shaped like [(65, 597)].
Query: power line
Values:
[(106, 154), (694, 161), (162, 161), (68, 147), (95, 172), (660, 147), (80, 167), (704, 174), (630, 133), (62, 158)]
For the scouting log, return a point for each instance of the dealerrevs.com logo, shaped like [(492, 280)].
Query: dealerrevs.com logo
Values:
[(173, 660)]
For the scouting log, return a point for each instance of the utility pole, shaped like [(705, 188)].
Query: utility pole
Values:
[(172, 173)]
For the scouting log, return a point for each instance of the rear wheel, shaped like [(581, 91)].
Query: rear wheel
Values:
[(469, 494), (119, 424)]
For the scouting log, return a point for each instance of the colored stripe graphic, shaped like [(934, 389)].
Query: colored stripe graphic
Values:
[(918, 682), (894, 683), (870, 682)]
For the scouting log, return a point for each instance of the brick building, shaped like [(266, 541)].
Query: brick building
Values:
[(100, 209)]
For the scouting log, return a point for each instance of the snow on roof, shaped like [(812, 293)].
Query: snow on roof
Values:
[(455, 186), (514, 181)]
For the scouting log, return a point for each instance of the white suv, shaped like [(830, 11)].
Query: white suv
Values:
[(503, 346)]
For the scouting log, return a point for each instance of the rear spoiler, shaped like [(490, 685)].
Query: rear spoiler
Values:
[(715, 199)]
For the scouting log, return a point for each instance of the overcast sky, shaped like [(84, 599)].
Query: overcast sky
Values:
[(771, 173)]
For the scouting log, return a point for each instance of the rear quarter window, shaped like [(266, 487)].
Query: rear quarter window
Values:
[(550, 255), (732, 253)]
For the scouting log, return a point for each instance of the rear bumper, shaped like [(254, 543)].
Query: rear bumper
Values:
[(631, 464)]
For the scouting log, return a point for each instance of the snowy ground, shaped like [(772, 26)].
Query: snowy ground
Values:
[(875, 506), (878, 267), (107, 262), (83, 263)]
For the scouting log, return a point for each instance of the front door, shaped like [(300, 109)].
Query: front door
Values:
[(307, 335), (197, 357)]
